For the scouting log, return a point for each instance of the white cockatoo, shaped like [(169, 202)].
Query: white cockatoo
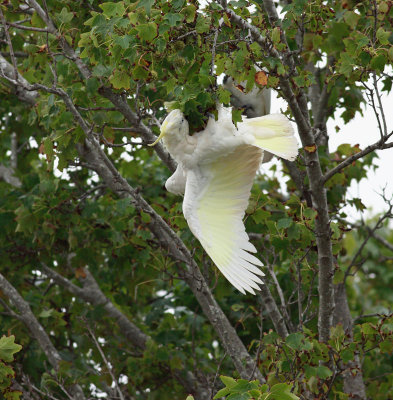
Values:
[(215, 172)]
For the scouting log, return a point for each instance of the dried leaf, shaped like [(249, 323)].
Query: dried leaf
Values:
[(80, 273), (311, 149), (261, 78)]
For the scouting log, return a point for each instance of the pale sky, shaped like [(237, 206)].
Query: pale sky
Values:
[(363, 130)]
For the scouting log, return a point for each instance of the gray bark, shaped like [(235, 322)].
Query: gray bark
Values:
[(28, 318), (353, 384)]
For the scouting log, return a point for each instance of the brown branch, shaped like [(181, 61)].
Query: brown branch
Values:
[(9, 42), (118, 101), (298, 105), (7, 71), (36, 329), (92, 294), (380, 145), (107, 364), (148, 136), (370, 233), (273, 311), (27, 28)]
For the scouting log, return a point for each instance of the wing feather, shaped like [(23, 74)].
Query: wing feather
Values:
[(273, 133), (216, 197)]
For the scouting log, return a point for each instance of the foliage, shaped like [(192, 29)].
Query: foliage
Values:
[(8, 348), (66, 216)]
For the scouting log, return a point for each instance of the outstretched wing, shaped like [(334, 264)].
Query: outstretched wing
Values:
[(215, 199), (273, 133)]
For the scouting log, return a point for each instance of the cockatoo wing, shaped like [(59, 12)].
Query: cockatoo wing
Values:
[(273, 133), (216, 197)]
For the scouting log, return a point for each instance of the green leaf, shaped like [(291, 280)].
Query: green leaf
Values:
[(46, 313), (224, 96), (112, 9), (173, 19), (221, 393), (146, 4), (203, 24), (284, 223), (8, 348), (147, 31), (351, 18), (120, 80), (324, 372), (260, 216), (189, 12), (145, 217), (228, 381), (48, 148), (14, 395), (386, 346), (298, 341), (347, 355), (65, 16), (383, 36), (276, 35), (282, 391), (239, 396), (378, 62), (368, 329)]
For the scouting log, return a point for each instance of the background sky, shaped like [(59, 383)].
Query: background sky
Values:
[(363, 130)]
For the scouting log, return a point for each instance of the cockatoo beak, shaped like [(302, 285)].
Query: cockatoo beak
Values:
[(162, 133)]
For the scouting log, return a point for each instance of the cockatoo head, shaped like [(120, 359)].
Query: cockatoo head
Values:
[(174, 127)]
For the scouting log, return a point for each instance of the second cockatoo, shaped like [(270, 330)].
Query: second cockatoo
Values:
[(215, 172)]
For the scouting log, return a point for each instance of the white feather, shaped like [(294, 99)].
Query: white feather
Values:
[(216, 169)]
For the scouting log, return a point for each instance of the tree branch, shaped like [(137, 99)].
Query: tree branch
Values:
[(92, 294), (380, 145), (298, 105), (38, 332)]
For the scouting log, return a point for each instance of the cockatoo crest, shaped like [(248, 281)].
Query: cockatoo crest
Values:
[(174, 127), (215, 172)]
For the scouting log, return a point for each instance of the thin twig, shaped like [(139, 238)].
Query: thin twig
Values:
[(7, 35), (27, 28), (370, 233), (380, 106), (108, 366), (380, 145)]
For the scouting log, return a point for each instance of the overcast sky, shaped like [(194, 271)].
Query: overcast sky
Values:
[(363, 130)]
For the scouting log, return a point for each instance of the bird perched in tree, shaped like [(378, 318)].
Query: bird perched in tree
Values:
[(215, 172)]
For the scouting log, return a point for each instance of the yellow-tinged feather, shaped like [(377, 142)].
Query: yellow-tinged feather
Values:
[(219, 209)]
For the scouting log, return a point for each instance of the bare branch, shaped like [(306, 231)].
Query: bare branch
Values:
[(92, 294), (7, 174), (107, 364), (148, 136), (380, 145), (7, 71), (27, 28), (7, 35), (371, 231), (38, 332), (273, 311)]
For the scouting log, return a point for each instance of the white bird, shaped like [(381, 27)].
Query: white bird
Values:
[(215, 172)]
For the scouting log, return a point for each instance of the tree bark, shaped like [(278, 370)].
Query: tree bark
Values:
[(353, 382)]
